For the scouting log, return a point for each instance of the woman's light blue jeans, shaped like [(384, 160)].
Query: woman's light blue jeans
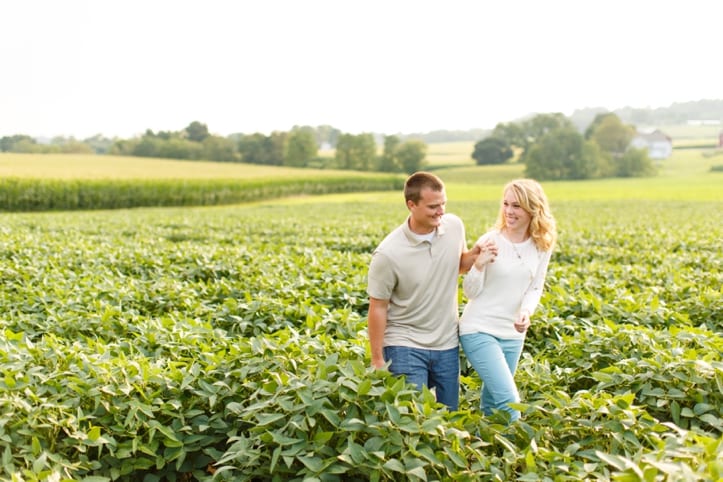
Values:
[(495, 360), (437, 369)]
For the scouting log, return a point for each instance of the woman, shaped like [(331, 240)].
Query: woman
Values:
[(504, 288)]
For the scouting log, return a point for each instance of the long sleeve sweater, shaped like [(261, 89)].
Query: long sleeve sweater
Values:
[(501, 290)]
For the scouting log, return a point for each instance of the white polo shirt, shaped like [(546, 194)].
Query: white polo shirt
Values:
[(420, 280)]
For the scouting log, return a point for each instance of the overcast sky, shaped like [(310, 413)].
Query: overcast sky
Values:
[(111, 67)]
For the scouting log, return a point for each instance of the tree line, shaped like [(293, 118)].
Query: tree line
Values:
[(551, 147), (299, 147)]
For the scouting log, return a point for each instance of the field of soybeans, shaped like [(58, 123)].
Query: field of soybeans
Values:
[(229, 342)]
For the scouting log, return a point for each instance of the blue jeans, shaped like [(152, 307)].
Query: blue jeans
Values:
[(437, 369), (495, 360)]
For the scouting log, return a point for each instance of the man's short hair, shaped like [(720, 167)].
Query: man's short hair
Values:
[(420, 180)]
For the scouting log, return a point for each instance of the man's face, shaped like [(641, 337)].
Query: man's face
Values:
[(427, 213)]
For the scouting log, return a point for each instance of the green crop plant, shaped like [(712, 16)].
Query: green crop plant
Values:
[(229, 343)]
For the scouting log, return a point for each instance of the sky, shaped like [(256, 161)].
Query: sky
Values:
[(116, 68)]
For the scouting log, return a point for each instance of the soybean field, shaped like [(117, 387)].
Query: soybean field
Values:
[(229, 343)]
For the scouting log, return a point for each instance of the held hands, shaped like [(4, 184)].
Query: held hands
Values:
[(523, 322), (487, 254)]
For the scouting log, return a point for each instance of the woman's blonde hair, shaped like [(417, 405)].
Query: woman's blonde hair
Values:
[(529, 193)]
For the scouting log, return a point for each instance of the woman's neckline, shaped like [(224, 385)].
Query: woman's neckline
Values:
[(505, 236)]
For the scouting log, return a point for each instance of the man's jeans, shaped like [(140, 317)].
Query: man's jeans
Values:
[(437, 369), (495, 360)]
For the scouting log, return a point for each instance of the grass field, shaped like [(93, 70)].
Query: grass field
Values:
[(79, 166)]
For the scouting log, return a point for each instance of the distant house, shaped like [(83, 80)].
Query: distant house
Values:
[(658, 144)]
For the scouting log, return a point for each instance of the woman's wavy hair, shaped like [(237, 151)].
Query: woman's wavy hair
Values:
[(529, 193)]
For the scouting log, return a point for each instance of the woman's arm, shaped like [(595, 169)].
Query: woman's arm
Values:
[(532, 296)]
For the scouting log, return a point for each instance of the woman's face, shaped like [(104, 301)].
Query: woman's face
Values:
[(516, 218)]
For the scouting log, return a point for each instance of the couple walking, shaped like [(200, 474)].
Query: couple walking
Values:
[(414, 327)]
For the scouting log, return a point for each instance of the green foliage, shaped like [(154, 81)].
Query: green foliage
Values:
[(492, 150), (634, 162), (610, 134), (300, 148), (261, 149), (229, 343), (526, 133), (357, 152), (407, 157), (196, 131), (17, 194), (388, 161), (560, 154), (410, 155), (57, 145)]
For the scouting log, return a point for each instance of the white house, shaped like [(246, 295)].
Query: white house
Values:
[(658, 144)]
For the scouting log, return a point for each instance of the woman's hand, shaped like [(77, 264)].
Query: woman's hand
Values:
[(487, 254), (523, 322)]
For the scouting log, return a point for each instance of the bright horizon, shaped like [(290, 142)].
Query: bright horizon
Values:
[(79, 68)]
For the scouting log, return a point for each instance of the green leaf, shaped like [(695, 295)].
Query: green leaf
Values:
[(94, 434), (364, 387), (675, 412), (36, 447), (265, 419), (620, 463), (394, 465), (313, 463)]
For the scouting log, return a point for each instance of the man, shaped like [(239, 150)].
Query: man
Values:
[(412, 288)]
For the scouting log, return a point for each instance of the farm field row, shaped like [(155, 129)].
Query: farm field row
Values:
[(229, 343), (47, 182), (77, 166)]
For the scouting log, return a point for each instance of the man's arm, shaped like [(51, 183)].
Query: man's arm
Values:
[(377, 324), (467, 259)]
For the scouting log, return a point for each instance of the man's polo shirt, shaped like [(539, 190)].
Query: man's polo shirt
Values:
[(420, 280)]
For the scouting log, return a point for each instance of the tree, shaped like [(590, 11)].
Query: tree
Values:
[(275, 145), (221, 149), (610, 134), (634, 163), (8, 143), (511, 133), (527, 132), (147, 146), (410, 155), (196, 131), (561, 154), (355, 151), (251, 148), (344, 155), (178, 148), (492, 150), (614, 138), (542, 124), (301, 148), (99, 144), (388, 160), (260, 149)]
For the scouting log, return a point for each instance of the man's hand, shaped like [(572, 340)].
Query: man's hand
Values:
[(468, 258)]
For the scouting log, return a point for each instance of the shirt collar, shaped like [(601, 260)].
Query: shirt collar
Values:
[(413, 238)]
